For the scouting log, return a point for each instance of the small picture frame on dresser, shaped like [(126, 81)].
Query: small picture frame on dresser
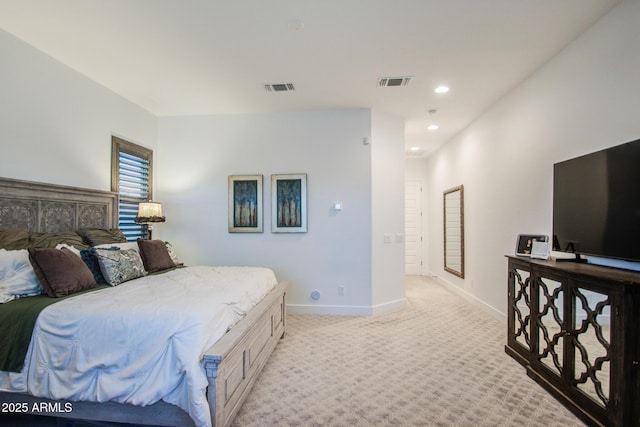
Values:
[(525, 245), (540, 250)]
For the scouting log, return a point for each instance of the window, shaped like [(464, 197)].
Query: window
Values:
[(131, 167)]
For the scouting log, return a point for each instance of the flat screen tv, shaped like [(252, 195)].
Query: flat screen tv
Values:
[(596, 204)]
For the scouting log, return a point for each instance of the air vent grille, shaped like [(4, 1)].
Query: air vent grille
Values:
[(394, 81), (279, 87)]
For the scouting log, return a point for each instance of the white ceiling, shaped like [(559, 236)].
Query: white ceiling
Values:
[(195, 57)]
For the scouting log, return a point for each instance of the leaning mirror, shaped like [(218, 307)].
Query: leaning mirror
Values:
[(454, 231)]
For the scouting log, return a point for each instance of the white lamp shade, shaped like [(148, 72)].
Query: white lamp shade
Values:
[(150, 212)]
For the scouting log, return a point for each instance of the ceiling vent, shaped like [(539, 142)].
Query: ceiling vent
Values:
[(279, 87), (394, 81)]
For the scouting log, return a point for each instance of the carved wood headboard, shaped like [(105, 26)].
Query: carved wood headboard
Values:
[(49, 208)]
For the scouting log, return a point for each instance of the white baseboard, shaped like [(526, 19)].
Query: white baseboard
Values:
[(492, 311), (346, 310), (389, 306), (332, 310)]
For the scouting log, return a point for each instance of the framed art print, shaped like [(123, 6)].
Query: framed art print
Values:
[(289, 203), (245, 204)]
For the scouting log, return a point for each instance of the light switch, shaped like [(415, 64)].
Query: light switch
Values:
[(388, 238)]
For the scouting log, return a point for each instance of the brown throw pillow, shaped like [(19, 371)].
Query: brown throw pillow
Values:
[(60, 271), (155, 255)]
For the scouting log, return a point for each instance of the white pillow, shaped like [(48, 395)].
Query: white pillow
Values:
[(71, 248), (172, 254), (17, 278)]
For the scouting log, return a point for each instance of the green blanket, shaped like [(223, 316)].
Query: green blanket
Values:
[(17, 319)]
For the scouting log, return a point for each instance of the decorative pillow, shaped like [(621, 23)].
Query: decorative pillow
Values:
[(60, 271), (172, 254), (118, 266), (17, 278), (90, 258), (122, 246), (14, 239), (155, 255), (71, 248), (100, 236), (50, 240)]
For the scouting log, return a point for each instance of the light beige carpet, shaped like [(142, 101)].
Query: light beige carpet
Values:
[(438, 362)]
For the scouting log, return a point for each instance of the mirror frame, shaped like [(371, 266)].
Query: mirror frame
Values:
[(453, 221)]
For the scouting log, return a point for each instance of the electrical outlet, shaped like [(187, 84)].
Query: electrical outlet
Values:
[(340, 291)]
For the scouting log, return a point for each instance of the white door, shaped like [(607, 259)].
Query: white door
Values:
[(413, 227)]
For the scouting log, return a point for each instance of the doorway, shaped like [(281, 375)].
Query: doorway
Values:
[(413, 227)]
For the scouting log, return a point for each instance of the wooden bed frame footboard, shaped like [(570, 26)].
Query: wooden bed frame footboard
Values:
[(232, 366), (235, 361)]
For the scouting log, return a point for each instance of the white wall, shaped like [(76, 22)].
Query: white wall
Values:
[(197, 154), (585, 99), (387, 177), (56, 125)]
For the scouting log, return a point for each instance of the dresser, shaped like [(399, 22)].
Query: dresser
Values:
[(576, 330)]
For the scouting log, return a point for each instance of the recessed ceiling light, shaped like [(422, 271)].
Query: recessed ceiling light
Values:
[(415, 148), (432, 127), (441, 89)]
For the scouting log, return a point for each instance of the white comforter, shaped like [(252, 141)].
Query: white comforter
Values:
[(141, 341)]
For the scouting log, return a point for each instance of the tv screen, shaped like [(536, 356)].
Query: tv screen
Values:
[(596, 203)]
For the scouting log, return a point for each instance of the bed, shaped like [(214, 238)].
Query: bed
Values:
[(230, 363)]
